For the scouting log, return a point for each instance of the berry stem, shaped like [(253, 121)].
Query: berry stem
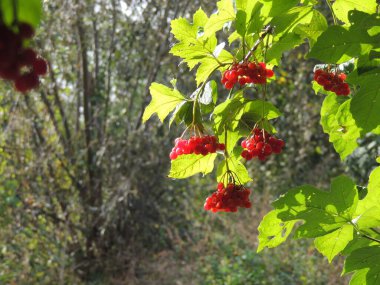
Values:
[(226, 155), (267, 31)]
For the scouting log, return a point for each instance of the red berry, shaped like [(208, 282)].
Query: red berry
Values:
[(26, 31), (40, 66), (261, 144)]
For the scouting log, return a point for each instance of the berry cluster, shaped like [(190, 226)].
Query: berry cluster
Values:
[(246, 73), (197, 145), (332, 82), (261, 145), (228, 199), (18, 64)]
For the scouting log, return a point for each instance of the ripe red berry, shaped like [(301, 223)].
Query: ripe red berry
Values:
[(17, 63), (261, 144), (40, 66), (196, 145), (228, 199), (246, 73), (26, 31), (333, 82), (26, 82)]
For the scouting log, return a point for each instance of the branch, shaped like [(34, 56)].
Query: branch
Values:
[(267, 31)]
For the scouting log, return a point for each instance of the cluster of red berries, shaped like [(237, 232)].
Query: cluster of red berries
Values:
[(21, 65), (228, 199), (332, 81), (245, 73), (261, 145), (197, 145)]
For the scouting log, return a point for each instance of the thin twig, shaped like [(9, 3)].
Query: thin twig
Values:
[(267, 31)]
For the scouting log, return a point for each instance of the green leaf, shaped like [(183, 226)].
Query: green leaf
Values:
[(273, 231), (333, 243), (314, 29), (372, 199), (287, 42), (365, 263), (273, 8), (339, 44), (228, 114), (241, 19), (319, 89), (211, 64), (184, 31), (286, 22), (236, 167), (187, 165), (184, 113), (258, 109), (255, 21), (322, 212), (225, 13), (342, 7), (365, 108), (28, 11), (338, 123), (164, 101)]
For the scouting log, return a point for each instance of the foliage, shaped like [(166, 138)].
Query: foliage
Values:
[(344, 219)]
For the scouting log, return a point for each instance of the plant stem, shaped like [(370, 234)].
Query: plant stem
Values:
[(225, 148), (332, 12), (267, 31), (15, 8), (370, 238)]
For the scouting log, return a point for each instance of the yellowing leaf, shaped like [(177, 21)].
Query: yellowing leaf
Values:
[(187, 165), (164, 101)]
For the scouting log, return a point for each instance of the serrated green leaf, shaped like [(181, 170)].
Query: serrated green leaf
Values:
[(333, 243), (322, 212), (256, 18), (286, 22), (273, 231), (187, 165), (228, 113), (369, 218), (338, 123), (339, 44), (273, 8), (358, 242), (364, 262), (365, 108), (342, 7), (184, 113), (234, 165), (164, 101), (314, 29), (225, 13), (287, 42), (28, 11), (241, 18), (258, 109), (184, 31), (372, 198)]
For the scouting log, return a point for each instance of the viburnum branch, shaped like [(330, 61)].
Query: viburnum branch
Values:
[(267, 31)]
